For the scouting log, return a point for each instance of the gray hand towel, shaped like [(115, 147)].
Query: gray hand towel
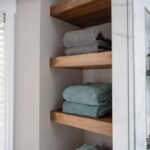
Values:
[(83, 37)]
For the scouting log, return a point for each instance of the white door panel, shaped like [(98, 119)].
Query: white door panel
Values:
[(141, 42)]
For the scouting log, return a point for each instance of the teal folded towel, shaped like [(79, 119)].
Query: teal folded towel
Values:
[(86, 110), (88, 147), (90, 94)]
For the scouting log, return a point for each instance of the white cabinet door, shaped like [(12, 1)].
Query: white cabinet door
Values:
[(141, 45)]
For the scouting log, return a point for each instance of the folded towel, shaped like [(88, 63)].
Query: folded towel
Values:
[(88, 147), (91, 94), (97, 47), (86, 110), (102, 100), (83, 37)]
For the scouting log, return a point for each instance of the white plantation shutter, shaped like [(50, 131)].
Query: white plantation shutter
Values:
[(2, 83), (7, 26)]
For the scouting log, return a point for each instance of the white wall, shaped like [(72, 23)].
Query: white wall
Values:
[(52, 83), (27, 62)]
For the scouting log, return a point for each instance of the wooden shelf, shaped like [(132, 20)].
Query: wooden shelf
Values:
[(83, 13), (84, 61), (100, 126)]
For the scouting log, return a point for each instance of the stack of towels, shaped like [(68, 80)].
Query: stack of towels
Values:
[(91, 147), (91, 100), (87, 40)]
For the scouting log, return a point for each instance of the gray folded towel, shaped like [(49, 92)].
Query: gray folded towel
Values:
[(97, 47), (86, 110), (88, 147), (83, 37)]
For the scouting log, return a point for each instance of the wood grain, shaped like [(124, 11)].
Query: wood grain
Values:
[(100, 126), (83, 13), (84, 61)]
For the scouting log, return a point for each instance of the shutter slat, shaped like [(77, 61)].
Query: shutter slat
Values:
[(2, 84)]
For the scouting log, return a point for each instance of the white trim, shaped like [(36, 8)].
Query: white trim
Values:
[(120, 74), (9, 45), (131, 77)]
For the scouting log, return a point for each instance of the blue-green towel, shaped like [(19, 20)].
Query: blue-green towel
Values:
[(88, 147), (86, 110), (91, 94)]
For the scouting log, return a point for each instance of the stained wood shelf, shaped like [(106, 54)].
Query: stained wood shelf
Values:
[(83, 13), (100, 126), (83, 61)]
